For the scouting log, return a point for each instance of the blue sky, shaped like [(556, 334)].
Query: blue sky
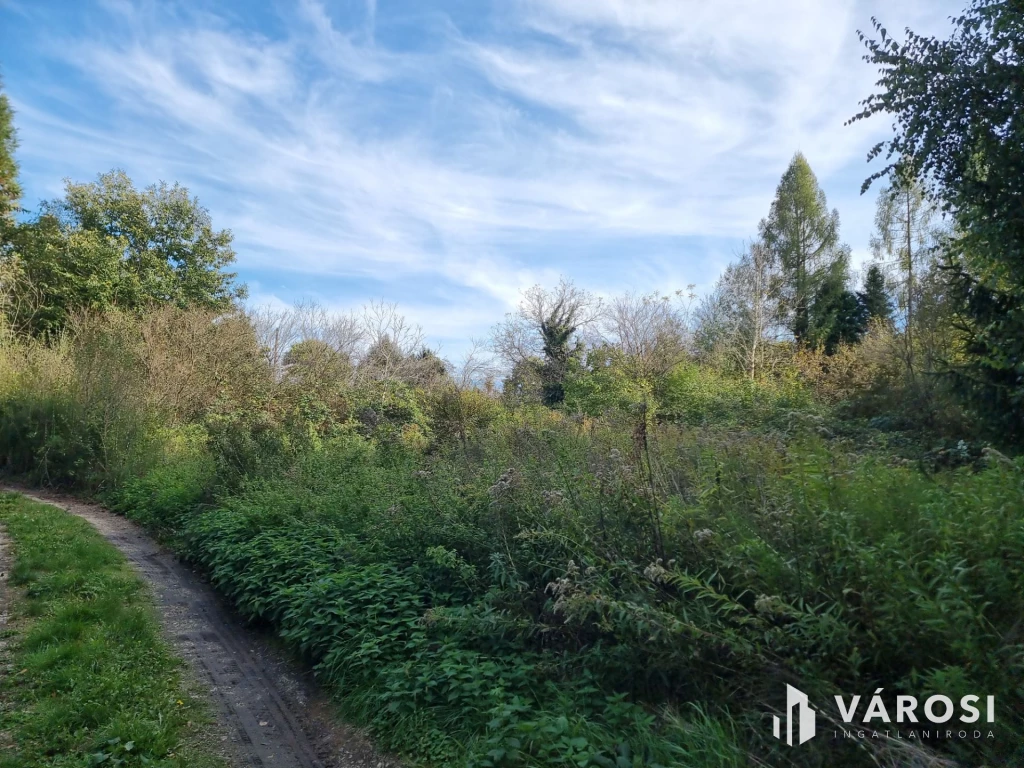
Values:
[(447, 154)]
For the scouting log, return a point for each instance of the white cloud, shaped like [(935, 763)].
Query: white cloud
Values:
[(471, 161)]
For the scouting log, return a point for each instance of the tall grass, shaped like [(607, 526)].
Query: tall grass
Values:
[(604, 585)]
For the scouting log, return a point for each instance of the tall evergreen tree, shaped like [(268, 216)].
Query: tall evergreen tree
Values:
[(875, 296), (836, 316), (803, 236)]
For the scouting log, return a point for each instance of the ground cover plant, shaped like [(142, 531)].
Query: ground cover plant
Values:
[(88, 679), (523, 606), (614, 533)]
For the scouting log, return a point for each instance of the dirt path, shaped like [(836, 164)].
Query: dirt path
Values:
[(271, 714)]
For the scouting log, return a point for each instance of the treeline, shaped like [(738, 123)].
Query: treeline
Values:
[(614, 533)]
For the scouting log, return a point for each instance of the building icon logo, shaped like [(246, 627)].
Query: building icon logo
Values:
[(804, 717)]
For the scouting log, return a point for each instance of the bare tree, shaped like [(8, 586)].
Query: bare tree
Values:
[(476, 369), (342, 332), (546, 328), (650, 330), (276, 331), (395, 351), (740, 319)]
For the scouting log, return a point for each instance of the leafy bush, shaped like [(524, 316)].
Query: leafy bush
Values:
[(700, 396), (533, 602), (628, 580)]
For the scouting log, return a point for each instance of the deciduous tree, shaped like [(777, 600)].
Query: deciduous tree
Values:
[(106, 244), (959, 127)]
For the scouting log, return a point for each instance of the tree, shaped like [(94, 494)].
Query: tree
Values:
[(522, 384), (739, 321), (316, 365), (838, 316), (461, 403), (10, 193), (546, 325), (106, 244), (959, 127), (904, 245), (59, 272), (276, 330), (651, 332), (802, 235), (10, 190), (170, 246), (875, 296), (751, 312)]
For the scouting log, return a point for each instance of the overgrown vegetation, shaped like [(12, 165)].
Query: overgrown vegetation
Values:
[(88, 680), (618, 543)]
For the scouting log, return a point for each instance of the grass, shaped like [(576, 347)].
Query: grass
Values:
[(91, 681)]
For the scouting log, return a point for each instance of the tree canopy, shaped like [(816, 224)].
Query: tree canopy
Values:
[(10, 190), (959, 127), (107, 244), (803, 236)]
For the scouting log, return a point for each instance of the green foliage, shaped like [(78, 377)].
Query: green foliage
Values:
[(460, 414), (71, 422), (523, 384), (698, 396), (164, 496), (838, 316), (875, 297), (955, 105), (107, 244), (501, 587), (532, 604), (10, 190), (803, 236), (91, 681), (604, 384)]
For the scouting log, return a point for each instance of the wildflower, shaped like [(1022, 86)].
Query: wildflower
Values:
[(504, 485), (703, 535), (768, 604), (553, 498), (656, 572)]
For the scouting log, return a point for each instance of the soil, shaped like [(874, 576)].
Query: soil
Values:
[(269, 712)]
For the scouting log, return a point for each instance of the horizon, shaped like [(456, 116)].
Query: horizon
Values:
[(446, 160)]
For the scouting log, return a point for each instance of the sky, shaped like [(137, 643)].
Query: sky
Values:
[(445, 155)]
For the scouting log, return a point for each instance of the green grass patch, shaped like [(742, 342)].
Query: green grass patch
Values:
[(92, 682)]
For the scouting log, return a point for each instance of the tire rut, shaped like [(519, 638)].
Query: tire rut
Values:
[(271, 715)]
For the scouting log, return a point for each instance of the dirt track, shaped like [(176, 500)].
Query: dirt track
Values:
[(268, 713)]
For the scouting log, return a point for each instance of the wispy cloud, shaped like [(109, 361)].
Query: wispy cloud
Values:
[(460, 158)]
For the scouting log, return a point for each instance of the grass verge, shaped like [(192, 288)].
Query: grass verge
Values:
[(88, 680)]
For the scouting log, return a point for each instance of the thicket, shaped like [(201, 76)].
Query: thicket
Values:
[(490, 581), (621, 553)]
